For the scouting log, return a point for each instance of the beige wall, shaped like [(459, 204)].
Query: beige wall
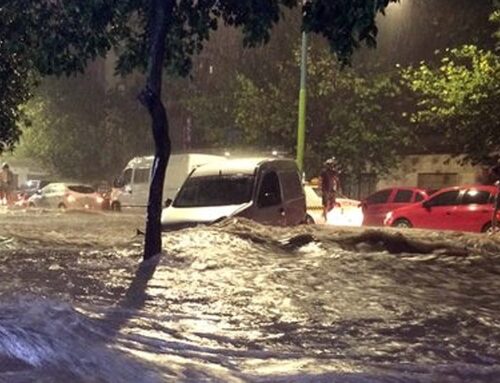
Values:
[(430, 167)]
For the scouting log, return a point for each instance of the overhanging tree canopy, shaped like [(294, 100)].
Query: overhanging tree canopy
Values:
[(62, 36), (460, 96)]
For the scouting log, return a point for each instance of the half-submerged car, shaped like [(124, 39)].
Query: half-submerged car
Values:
[(266, 190), (461, 208), (66, 196)]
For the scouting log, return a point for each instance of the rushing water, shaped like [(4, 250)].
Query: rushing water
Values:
[(235, 304)]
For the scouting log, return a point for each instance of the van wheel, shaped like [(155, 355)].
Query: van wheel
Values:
[(309, 220), (61, 206), (115, 206), (402, 223)]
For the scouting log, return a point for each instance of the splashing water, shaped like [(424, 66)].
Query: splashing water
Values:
[(245, 303)]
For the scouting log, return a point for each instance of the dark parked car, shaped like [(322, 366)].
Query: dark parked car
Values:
[(462, 208), (377, 205)]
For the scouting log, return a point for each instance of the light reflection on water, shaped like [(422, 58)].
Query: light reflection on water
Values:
[(234, 304)]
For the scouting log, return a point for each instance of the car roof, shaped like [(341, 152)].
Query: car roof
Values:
[(411, 188), (147, 161), (66, 184), (490, 188), (240, 166)]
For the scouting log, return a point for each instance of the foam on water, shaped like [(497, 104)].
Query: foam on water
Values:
[(240, 302)]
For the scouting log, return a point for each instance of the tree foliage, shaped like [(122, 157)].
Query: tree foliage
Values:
[(61, 37), (15, 81), (354, 115), (364, 127), (461, 97), (86, 135)]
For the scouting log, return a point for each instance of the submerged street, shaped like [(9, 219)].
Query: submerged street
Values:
[(316, 187), (241, 302)]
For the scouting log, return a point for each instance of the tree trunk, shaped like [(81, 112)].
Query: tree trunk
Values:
[(150, 97)]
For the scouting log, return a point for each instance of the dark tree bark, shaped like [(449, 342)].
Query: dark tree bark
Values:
[(150, 97)]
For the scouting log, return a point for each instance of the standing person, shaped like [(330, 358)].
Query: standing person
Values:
[(7, 179), (330, 185), (495, 175)]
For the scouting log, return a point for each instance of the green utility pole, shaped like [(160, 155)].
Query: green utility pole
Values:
[(301, 131)]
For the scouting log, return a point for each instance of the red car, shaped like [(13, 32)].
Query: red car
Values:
[(377, 205), (464, 208)]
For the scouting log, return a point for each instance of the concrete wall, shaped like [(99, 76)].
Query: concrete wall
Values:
[(430, 171)]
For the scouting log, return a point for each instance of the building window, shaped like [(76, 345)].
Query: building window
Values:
[(437, 180), (359, 188)]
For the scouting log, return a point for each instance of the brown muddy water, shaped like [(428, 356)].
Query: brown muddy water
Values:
[(240, 302)]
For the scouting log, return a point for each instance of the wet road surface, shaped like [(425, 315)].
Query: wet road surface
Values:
[(241, 302)]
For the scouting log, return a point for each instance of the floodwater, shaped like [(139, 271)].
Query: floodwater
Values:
[(240, 302)]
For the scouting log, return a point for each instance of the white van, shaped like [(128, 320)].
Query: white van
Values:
[(132, 186), (267, 190)]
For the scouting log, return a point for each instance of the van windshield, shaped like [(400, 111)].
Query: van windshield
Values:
[(215, 191)]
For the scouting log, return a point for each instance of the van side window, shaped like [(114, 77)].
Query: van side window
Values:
[(292, 188), (127, 177), (270, 192), (141, 176)]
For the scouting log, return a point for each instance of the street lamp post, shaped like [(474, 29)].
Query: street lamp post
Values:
[(301, 130)]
